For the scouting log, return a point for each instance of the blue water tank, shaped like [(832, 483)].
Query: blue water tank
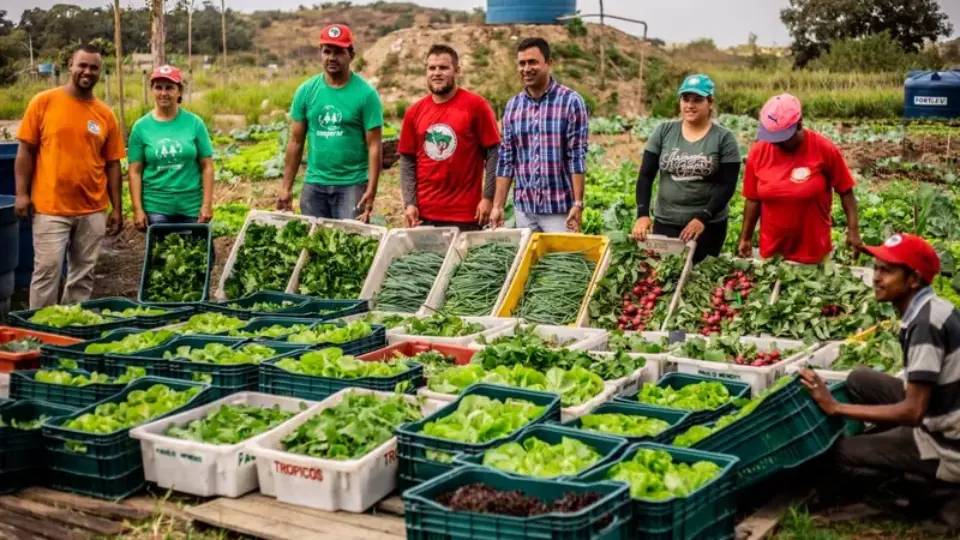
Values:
[(8, 186), (529, 11), (932, 94)]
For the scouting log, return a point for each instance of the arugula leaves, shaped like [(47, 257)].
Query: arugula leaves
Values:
[(626, 425), (131, 343), (230, 424), (351, 429), (535, 457), (480, 419), (441, 325), (653, 475), (64, 316), (526, 335), (267, 258), (177, 269), (333, 363), (434, 362), (338, 263)]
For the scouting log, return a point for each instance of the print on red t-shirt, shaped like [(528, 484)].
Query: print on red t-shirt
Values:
[(449, 141), (795, 191)]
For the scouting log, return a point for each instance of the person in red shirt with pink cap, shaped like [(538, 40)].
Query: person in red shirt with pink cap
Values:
[(789, 181), (917, 420)]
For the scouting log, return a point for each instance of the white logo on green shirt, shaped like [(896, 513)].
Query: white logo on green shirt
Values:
[(330, 120), (167, 152), (440, 142)]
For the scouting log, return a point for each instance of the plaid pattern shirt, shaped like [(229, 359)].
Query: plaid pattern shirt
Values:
[(544, 143)]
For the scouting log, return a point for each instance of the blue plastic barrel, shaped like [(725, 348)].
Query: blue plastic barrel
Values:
[(45, 69), (529, 11), (8, 186), (9, 246)]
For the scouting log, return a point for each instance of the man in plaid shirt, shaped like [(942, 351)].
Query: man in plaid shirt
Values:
[(544, 148)]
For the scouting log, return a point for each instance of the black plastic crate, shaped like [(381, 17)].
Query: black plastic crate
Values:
[(240, 308), (22, 456), (280, 382), (737, 390), (51, 354), (172, 314), (413, 446), (675, 417), (156, 233), (22, 320), (111, 488), (23, 385)]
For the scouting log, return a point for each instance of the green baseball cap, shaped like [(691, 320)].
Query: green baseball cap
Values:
[(699, 84)]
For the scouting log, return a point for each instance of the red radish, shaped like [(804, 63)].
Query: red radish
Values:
[(631, 310)]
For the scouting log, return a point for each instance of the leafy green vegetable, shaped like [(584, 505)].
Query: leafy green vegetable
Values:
[(265, 307), (64, 316), (692, 397), (555, 288), (266, 258), (218, 353), (527, 335), (272, 331), (332, 333), (653, 475), (131, 343), (352, 428), (333, 363), (627, 425), (440, 325), (131, 312), (139, 407), (230, 424), (480, 419), (68, 379), (542, 358), (23, 345), (178, 269), (575, 386), (476, 282), (634, 342), (433, 362), (338, 263), (210, 324), (535, 457), (25, 425), (880, 351), (729, 348), (408, 281)]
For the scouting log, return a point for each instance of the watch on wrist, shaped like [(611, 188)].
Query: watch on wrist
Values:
[(578, 204)]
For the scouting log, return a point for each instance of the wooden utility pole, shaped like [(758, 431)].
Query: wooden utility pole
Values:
[(158, 33), (118, 45), (223, 34), (603, 53), (190, 36)]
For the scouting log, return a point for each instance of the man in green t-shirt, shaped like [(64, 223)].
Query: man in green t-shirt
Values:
[(340, 117)]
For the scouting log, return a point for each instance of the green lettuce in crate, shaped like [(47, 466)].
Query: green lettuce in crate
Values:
[(434, 362), (267, 258), (480, 419), (68, 379), (210, 324), (26, 344), (517, 350), (575, 386), (331, 362), (218, 353), (131, 343), (64, 316), (692, 397), (338, 263), (535, 457), (231, 424), (265, 307), (272, 331), (131, 312), (139, 407), (652, 474), (625, 425), (178, 269), (352, 428), (25, 425), (332, 333)]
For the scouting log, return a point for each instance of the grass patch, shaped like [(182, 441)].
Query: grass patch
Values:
[(798, 524)]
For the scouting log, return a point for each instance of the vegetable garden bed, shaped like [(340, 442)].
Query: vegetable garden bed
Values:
[(220, 462), (337, 259), (406, 268), (476, 273)]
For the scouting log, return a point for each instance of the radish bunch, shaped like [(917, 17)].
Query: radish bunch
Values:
[(760, 359), (736, 287), (832, 310), (640, 303)]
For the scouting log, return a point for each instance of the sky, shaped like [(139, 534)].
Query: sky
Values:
[(673, 21)]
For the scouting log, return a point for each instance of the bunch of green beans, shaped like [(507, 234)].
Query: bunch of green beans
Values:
[(556, 287), (477, 280), (408, 282)]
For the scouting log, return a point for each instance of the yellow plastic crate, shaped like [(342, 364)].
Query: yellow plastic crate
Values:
[(594, 248), (863, 336)]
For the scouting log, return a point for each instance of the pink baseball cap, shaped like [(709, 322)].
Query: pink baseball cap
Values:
[(779, 118)]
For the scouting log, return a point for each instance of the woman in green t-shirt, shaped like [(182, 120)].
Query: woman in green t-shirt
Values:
[(699, 162), (171, 159)]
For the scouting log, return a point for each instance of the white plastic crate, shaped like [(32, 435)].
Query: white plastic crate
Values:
[(390, 332), (863, 272), (327, 484), (202, 469), (658, 362), (461, 246), (348, 226), (399, 242), (583, 338), (631, 384), (491, 324), (662, 245), (277, 219), (759, 378), (822, 358)]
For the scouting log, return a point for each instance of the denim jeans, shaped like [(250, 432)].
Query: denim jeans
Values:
[(331, 202), (154, 219)]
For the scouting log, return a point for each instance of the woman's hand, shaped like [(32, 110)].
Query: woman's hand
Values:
[(693, 230), (745, 249), (206, 214), (854, 242), (140, 219), (641, 229)]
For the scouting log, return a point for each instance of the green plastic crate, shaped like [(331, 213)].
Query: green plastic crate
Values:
[(225, 380), (259, 323), (426, 519), (255, 298), (328, 310), (675, 417), (706, 514), (412, 444), (23, 385), (852, 427), (22, 319), (372, 342), (22, 457), (155, 233), (152, 359), (737, 389), (786, 430), (608, 446), (50, 354), (280, 382), (173, 314), (111, 456)]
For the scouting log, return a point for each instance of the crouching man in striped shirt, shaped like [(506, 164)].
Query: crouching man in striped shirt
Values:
[(917, 422)]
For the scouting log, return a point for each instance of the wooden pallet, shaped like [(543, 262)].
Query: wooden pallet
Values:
[(264, 517)]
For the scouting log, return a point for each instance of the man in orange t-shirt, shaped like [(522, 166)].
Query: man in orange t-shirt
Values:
[(68, 175)]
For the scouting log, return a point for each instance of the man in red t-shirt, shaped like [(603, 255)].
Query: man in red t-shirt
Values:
[(789, 181), (448, 142)]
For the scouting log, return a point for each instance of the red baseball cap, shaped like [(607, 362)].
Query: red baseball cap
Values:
[(338, 35), (779, 118), (911, 251), (167, 72)]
